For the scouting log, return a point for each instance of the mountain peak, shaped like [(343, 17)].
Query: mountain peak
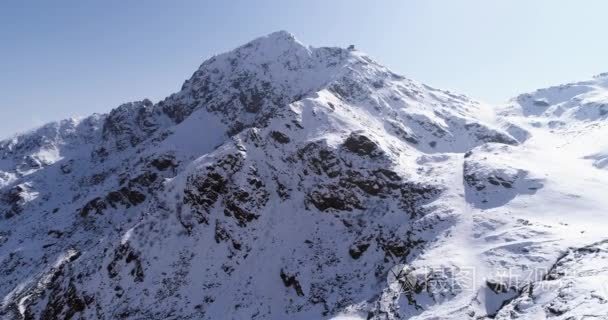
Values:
[(273, 45), (278, 36), (253, 80)]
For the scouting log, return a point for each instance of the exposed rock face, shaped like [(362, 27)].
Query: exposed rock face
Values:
[(492, 183), (361, 145), (130, 124), (281, 181)]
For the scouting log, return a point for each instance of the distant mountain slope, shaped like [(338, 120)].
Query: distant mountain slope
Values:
[(286, 181)]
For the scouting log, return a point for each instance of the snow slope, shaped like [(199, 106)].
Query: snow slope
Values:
[(291, 182)]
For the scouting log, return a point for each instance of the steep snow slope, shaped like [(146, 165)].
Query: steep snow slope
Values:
[(285, 181), (565, 150), (536, 218)]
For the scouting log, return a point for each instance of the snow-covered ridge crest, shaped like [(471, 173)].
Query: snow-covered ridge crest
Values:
[(49, 143), (577, 101), (251, 84), (254, 82)]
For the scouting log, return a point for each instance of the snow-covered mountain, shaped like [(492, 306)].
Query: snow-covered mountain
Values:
[(290, 182)]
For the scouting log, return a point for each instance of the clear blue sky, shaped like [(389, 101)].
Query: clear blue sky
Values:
[(72, 58)]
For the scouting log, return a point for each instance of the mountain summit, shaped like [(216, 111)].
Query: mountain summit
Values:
[(285, 181)]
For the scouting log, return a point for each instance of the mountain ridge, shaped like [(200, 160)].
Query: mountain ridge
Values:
[(288, 181)]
